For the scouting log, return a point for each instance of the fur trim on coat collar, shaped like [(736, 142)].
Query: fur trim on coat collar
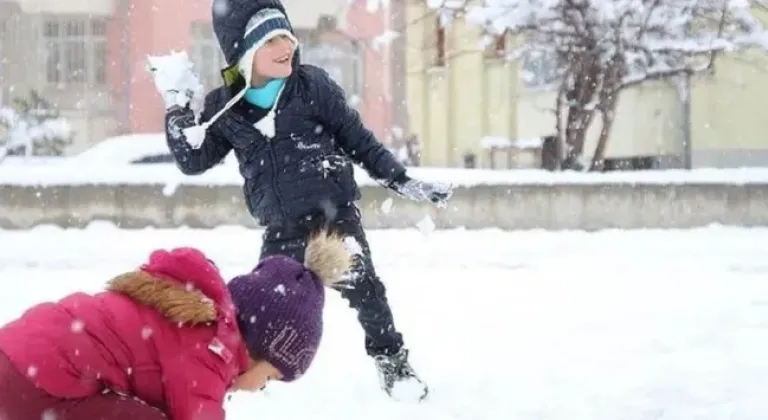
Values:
[(174, 301)]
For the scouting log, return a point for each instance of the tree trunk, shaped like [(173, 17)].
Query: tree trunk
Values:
[(580, 96), (561, 140), (608, 101), (608, 116), (578, 120)]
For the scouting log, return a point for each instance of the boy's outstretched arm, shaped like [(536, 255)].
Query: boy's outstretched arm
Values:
[(193, 161), (350, 133), (361, 145), (182, 94)]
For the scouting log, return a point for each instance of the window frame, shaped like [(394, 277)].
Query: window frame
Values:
[(81, 39)]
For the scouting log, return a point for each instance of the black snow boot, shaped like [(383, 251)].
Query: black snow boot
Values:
[(398, 378)]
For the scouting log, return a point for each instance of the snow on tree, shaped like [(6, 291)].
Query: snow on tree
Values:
[(601, 47), (33, 127)]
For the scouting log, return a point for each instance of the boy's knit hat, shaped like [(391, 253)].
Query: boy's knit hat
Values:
[(280, 304), (241, 27), (263, 26), (234, 19)]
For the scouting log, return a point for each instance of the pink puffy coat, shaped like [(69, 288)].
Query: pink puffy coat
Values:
[(166, 334)]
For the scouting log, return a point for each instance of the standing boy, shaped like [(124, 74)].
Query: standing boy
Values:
[(295, 139)]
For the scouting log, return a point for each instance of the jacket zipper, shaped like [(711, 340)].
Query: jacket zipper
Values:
[(275, 188), (273, 158)]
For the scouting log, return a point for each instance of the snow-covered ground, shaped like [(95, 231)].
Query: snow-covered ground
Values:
[(615, 325)]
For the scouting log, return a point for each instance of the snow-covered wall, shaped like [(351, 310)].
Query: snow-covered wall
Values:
[(523, 205)]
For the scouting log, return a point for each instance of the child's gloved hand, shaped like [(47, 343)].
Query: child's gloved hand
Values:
[(438, 192), (175, 80)]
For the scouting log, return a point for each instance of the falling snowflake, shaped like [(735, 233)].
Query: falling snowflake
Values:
[(386, 206), (146, 332), (77, 326), (220, 7), (49, 414)]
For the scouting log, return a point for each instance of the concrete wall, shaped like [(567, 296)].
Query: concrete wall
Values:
[(572, 206)]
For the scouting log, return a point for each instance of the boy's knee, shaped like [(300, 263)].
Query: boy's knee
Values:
[(361, 288)]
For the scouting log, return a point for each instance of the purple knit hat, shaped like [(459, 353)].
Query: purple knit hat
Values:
[(280, 304)]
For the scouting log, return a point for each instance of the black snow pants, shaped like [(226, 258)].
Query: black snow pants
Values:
[(364, 291)]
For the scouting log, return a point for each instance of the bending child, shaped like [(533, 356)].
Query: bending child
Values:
[(168, 340)]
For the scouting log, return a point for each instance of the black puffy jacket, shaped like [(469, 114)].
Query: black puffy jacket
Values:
[(307, 166)]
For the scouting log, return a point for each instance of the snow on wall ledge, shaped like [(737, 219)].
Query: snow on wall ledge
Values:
[(75, 173), (513, 200)]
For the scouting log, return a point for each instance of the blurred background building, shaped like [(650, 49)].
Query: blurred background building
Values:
[(430, 92), (87, 57)]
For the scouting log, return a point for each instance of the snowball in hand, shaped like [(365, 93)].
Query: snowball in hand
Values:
[(173, 73)]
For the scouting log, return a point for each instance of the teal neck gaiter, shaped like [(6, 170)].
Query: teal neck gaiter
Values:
[(265, 96)]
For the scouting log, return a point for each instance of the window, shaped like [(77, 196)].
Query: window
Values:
[(498, 47), (206, 55), (342, 60), (439, 43), (75, 50)]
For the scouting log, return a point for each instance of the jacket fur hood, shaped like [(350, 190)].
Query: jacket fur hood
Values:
[(176, 302), (181, 283)]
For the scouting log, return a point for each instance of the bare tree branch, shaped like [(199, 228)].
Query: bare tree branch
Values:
[(600, 48)]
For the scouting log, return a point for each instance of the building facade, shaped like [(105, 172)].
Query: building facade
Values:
[(461, 93), (88, 57)]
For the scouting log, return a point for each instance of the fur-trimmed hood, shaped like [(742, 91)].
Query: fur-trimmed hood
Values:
[(182, 284), (176, 302)]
